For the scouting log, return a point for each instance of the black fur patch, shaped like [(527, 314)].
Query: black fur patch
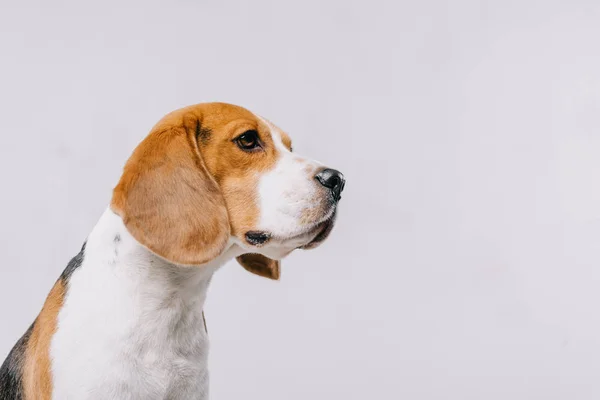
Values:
[(73, 265), (11, 372)]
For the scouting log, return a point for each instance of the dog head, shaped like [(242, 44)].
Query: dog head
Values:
[(214, 174)]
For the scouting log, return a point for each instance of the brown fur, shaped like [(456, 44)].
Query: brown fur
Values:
[(37, 372), (168, 200), (260, 265), (182, 197), (287, 142)]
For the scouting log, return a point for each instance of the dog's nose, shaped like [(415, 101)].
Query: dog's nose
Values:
[(332, 180)]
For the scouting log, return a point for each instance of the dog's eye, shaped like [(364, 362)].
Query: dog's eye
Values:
[(248, 141)]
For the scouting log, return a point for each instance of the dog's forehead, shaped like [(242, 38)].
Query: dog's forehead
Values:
[(220, 115)]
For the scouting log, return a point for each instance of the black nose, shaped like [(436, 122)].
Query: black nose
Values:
[(333, 180)]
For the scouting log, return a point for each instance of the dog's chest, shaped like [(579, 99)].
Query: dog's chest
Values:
[(130, 329)]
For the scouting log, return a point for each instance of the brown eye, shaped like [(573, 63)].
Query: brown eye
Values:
[(248, 141)]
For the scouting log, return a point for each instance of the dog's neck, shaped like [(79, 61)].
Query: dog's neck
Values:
[(136, 314), (110, 242)]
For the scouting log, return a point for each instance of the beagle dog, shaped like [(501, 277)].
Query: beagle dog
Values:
[(211, 182)]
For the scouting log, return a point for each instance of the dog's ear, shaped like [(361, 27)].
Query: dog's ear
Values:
[(260, 265), (166, 197)]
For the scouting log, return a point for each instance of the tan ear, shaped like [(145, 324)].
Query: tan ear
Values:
[(168, 200), (260, 265)]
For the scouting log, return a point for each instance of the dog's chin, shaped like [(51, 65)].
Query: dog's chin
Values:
[(321, 233), (273, 245)]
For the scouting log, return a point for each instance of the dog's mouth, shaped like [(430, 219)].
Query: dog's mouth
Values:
[(306, 239), (323, 230)]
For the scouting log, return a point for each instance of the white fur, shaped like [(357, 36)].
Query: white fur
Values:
[(131, 326)]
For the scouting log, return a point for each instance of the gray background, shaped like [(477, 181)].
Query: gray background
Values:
[(465, 264)]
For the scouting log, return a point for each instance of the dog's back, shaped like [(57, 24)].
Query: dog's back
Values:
[(11, 372)]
